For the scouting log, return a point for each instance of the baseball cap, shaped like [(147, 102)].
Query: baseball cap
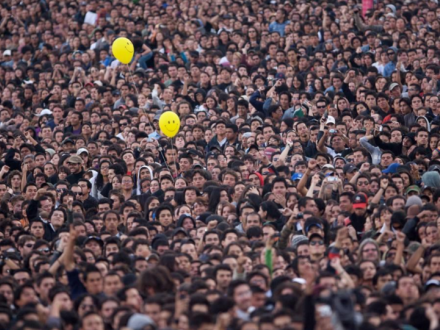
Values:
[(280, 75), (391, 169), (312, 223), (432, 283), (360, 201), (297, 176), (94, 238), (50, 151), (392, 86), (328, 166), (269, 151), (349, 168), (81, 150), (45, 112), (413, 188), (7, 52), (68, 140), (435, 167), (330, 120)]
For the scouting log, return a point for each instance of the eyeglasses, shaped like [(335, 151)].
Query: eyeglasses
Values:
[(77, 193), (61, 190), (30, 246), (363, 183), (320, 106), (45, 250), (313, 243), (123, 124)]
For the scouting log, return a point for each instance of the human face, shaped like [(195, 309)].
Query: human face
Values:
[(92, 322), (370, 252)]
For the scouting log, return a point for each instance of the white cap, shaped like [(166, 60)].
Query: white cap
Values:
[(81, 150), (98, 83), (7, 52), (45, 112), (330, 120)]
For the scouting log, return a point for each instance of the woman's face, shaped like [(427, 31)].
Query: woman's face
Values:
[(49, 170), (116, 184), (187, 224), (153, 204), (154, 186)]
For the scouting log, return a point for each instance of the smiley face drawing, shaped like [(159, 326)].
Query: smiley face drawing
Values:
[(169, 124), (123, 50)]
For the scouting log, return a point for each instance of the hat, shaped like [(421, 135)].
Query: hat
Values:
[(392, 86), (330, 120), (81, 150), (269, 152), (392, 7), (328, 166), (280, 75), (50, 151), (68, 140), (179, 230), (312, 223), (246, 135), (413, 200), (159, 238), (215, 217), (298, 239), (432, 283), (391, 169), (297, 176), (94, 238), (98, 83), (75, 159), (315, 236), (45, 112), (412, 247), (434, 167), (349, 168), (202, 217), (360, 201), (339, 157), (139, 321), (413, 188), (7, 52)]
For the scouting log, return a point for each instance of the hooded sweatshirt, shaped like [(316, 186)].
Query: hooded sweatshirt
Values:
[(138, 180)]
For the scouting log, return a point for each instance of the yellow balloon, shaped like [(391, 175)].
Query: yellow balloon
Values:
[(123, 50), (169, 123)]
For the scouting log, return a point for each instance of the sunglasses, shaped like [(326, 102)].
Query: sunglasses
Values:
[(77, 193), (313, 243)]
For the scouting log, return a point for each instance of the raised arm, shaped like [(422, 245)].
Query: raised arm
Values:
[(69, 262)]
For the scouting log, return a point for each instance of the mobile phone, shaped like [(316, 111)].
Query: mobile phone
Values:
[(380, 128), (325, 115), (332, 179), (276, 237), (333, 131)]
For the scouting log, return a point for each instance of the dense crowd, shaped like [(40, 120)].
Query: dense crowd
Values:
[(301, 192)]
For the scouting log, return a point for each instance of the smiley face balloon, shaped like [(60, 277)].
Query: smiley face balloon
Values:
[(123, 50), (169, 124)]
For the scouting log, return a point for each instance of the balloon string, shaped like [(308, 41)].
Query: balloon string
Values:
[(152, 127)]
